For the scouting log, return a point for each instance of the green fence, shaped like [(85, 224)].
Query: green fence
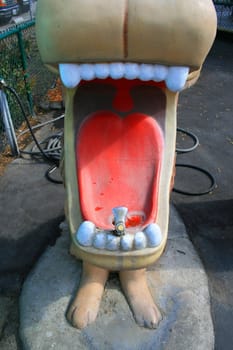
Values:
[(22, 69)]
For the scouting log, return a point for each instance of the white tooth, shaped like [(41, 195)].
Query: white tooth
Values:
[(127, 242), (70, 74), (140, 240), (132, 71), (85, 233), (113, 242), (87, 71), (176, 78), (153, 234), (99, 240), (117, 70), (160, 72), (146, 72), (101, 70)]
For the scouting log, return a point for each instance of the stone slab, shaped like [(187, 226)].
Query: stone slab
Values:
[(178, 283)]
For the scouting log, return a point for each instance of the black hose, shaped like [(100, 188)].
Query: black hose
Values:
[(193, 137), (207, 173), (48, 154), (28, 124), (49, 177)]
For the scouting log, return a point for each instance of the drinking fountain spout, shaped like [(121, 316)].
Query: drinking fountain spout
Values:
[(119, 214)]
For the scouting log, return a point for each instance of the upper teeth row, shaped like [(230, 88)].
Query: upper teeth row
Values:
[(174, 77)]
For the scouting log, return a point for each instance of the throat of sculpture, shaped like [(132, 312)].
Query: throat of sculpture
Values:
[(122, 70)]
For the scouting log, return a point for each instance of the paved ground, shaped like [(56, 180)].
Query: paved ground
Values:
[(31, 209), (206, 110)]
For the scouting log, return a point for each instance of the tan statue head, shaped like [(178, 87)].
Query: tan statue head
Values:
[(122, 64)]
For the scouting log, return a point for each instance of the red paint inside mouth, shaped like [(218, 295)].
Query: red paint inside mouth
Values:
[(118, 163), (134, 221)]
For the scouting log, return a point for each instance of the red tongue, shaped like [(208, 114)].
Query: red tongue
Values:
[(118, 164)]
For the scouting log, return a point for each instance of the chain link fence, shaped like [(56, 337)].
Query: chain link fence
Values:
[(224, 9), (22, 69)]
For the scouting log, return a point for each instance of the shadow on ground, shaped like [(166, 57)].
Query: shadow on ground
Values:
[(210, 227)]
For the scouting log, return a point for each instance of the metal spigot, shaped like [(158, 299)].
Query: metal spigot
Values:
[(119, 214)]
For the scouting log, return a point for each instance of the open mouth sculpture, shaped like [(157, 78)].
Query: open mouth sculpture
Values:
[(122, 64)]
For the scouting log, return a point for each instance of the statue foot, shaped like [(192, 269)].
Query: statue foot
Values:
[(85, 305), (135, 287)]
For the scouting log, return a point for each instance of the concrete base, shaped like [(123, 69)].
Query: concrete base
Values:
[(178, 283)]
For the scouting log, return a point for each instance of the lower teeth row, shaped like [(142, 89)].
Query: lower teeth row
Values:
[(88, 236)]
